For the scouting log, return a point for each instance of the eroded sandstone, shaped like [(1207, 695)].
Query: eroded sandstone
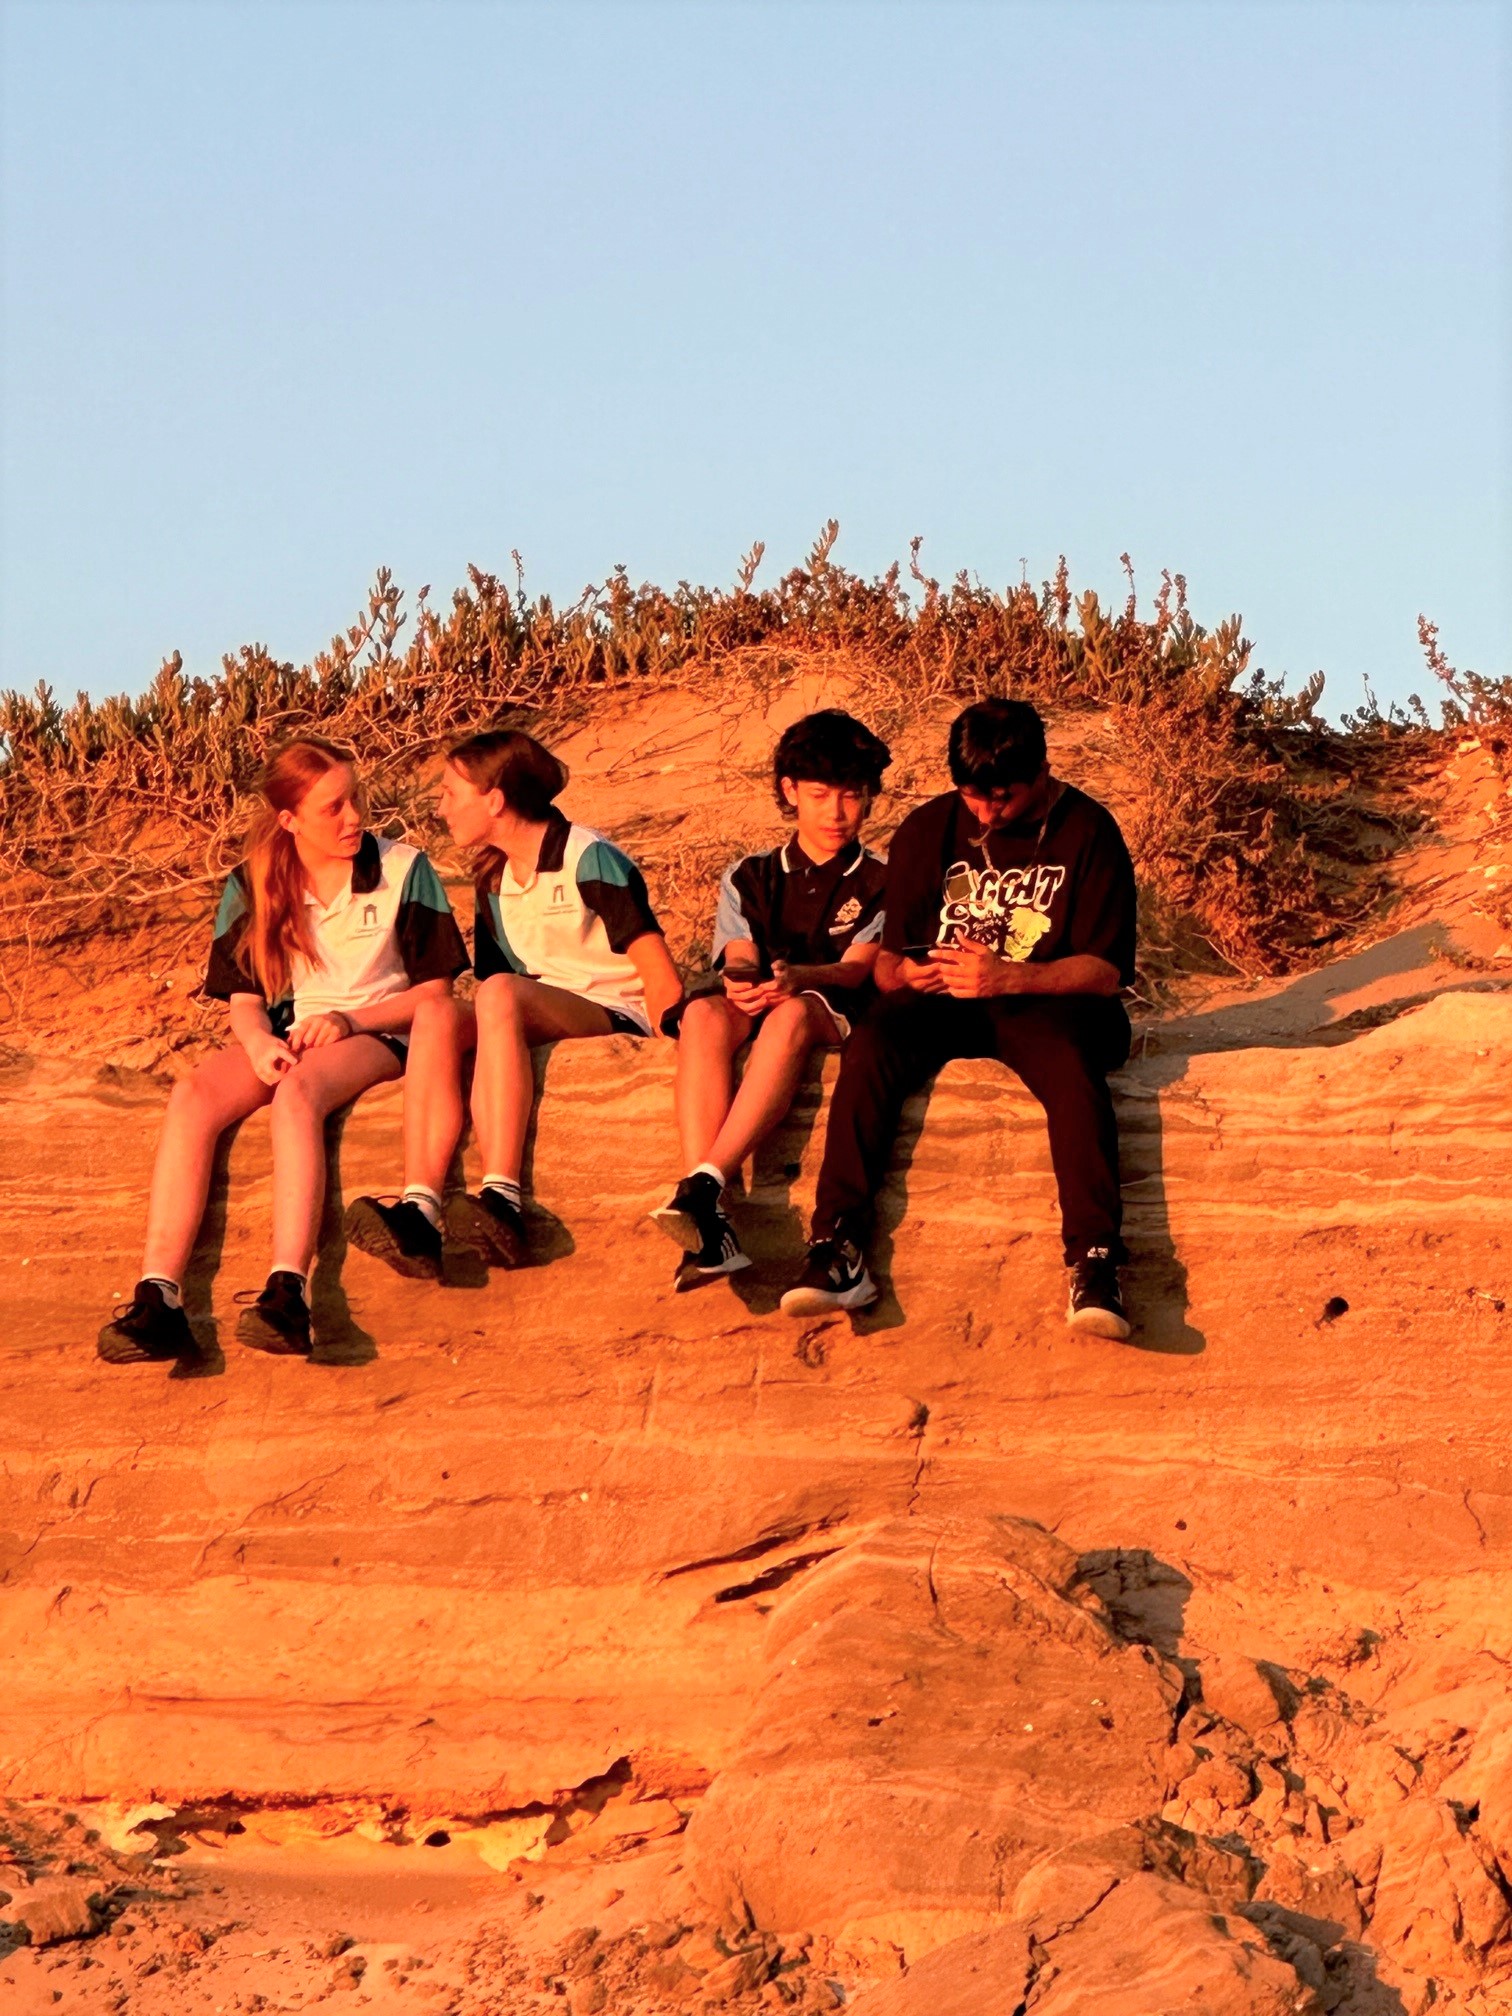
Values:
[(514, 1538)]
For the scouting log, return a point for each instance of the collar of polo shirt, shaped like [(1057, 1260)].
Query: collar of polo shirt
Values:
[(367, 873), (819, 867), (548, 862)]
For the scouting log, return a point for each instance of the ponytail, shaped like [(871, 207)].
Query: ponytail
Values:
[(278, 930)]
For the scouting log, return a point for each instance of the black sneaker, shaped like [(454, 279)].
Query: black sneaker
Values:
[(278, 1321), (1096, 1304), (397, 1232), (835, 1278), (691, 1216), (723, 1254), (145, 1330), (490, 1227)]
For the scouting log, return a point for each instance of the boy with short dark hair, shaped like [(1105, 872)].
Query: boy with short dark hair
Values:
[(795, 940), (1010, 933)]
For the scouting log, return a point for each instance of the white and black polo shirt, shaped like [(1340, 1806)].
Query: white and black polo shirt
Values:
[(807, 913), (389, 929), (571, 925)]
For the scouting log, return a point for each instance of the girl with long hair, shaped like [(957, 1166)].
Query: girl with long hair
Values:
[(566, 944), (331, 946)]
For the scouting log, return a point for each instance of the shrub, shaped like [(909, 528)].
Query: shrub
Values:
[(128, 810)]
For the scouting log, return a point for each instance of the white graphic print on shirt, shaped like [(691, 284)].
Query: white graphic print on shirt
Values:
[(1007, 909)]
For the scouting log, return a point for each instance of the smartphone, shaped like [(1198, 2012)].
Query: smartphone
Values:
[(918, 953), (747, 973)]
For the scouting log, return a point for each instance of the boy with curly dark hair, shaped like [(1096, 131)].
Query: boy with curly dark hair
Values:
[(795, 939)]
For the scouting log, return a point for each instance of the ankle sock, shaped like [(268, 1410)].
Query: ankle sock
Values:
[(171, 1292), (281, 1267), (429, 1203), (709, 1169), (508, 1188)]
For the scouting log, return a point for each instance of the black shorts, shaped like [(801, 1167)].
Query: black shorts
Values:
[(671, 1023)]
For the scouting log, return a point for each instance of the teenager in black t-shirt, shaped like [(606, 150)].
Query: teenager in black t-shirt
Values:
[(1010, 922), (795, 939)]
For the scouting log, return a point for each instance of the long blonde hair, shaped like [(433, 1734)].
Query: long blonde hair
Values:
[(278, 930)]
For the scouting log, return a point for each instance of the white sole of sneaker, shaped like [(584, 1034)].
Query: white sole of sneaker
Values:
[(824, 1301), (702, 1277), (679, 1227), (1100, 1323)]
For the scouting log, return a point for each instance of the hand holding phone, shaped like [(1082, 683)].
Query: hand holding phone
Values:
[(921, 972)]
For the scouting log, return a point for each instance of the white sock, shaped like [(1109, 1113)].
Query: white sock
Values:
[(172, 1296), (428, 1201), (710, 1169), (508, 1188), (283, 1267)]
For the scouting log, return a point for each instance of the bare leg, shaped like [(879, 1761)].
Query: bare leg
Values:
[(323, 1080), (713, 1030), (201, 1107), (440, 1032), (771, 1076), (514, 1013)]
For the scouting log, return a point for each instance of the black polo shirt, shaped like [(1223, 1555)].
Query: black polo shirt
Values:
[(807, 913)]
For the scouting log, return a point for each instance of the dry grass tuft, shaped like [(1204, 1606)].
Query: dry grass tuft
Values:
[(1253, 827)]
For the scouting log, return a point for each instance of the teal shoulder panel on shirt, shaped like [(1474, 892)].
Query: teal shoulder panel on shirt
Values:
[(611, 886), (225, 974), (233, 903), (423, 885), (429, 942), (602, 861)]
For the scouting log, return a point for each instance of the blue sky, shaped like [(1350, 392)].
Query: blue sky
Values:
[(294, 290)]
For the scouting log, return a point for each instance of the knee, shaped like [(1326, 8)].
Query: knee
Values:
[(1073, 1088), (501, 1002), (296, 1102), (704, 1019), (788, 1024), (191, 1106), (438, 1022), (867, 1059)]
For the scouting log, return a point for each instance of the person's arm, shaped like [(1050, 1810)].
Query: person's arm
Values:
[(649, 956), (389, 1017), (911, 903), (973, 972), (851, 970), (613, 887), (268, 1054)]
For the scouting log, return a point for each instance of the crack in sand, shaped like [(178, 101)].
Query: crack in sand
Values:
[(919, 1429)]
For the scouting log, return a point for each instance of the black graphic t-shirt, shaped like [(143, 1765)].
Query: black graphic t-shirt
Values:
[(1028, 894)]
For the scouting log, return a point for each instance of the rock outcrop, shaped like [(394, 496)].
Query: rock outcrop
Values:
[(808, 1584), (945, 1704)]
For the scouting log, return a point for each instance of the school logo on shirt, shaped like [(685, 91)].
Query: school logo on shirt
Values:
[(558, 902), (1007, 909), (370, 914), (848, 914)]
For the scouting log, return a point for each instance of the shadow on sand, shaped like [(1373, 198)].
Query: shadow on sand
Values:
[(1296, 1017)]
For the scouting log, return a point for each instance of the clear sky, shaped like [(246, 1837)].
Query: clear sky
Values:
[(293, 288)]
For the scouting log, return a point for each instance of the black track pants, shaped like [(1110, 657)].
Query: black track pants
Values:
[(1061, 1046)]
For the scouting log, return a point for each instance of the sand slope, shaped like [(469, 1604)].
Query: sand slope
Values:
[(508, 1534)]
